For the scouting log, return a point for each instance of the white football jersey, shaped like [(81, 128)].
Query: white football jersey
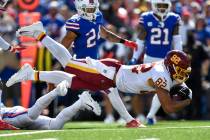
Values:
[(137, 78)]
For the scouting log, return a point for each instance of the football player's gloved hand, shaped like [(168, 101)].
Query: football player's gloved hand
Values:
[(133, 61), (15, 49), (183, 91), (131, 44)]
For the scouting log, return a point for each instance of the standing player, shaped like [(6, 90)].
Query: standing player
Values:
[(159, 33), (97, 75), (84, 31), (23, 118)]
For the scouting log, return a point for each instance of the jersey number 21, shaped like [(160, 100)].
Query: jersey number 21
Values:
[(157, 34)]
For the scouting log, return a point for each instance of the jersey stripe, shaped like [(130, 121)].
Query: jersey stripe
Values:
[(72, 27), (12, 115), (70, 23), (82, 68)]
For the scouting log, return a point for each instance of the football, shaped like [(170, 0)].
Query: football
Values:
[(180, 92)]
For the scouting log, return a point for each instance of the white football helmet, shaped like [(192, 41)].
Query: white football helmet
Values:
[(161, 7), (87, 9)]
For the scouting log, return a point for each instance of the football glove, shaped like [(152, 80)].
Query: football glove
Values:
[(182, 91), (131, 44), (15, 49)]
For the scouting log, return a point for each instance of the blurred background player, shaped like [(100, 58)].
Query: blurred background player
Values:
[(83, 37), (158, 34), (23, 118)]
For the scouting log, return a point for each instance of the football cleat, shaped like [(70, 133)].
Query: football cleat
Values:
[(25, 73), (89, 103), (6, 126), (33, 30), (151, 121), (134, 124), (62, 88)]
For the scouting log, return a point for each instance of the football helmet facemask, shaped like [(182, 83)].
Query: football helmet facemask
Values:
[(161, 7), (87, 9), (178, 65)]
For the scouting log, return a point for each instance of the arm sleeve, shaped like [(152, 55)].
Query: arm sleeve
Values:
[(177, 42), (138, 52), (4, 45)]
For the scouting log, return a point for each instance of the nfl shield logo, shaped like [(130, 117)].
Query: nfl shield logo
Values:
[(149, 24)]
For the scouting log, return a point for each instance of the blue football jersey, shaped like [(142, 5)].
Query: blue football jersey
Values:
[(86, 43), (159, 34)]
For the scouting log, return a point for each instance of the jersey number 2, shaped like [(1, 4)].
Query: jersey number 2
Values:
[(91, 38), (157, 34)]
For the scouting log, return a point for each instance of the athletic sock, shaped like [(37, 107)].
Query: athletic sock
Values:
[(154, 107), (65, 115)]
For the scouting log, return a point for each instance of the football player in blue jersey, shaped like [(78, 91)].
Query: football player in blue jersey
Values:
[(158, 34), (86, 28), (84, 31)]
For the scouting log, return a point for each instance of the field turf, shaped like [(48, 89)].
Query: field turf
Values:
[(164, 130)]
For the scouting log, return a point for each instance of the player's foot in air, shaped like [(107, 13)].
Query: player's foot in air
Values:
[(62, 88), (134, 124), (33, 30), (151, 121), (25, 73), (89, 103)]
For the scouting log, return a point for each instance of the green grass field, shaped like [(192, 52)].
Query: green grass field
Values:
[(164, 130)]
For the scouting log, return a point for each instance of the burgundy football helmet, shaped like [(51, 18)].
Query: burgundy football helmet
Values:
[(178, 65)]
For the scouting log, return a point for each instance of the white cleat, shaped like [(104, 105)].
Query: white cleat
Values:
[(62, 88), (25, 73), (32, 30), (89, 103)]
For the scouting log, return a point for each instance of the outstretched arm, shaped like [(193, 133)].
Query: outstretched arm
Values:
[(140, 42), (169, 105), (110, 36)]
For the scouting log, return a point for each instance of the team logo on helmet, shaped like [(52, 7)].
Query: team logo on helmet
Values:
[(178, 65)]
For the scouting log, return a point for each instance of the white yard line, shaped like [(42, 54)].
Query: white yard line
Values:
[(28, 133), (145, 128), (100, 129)]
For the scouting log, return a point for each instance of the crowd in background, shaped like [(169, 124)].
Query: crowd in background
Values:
[(122, 17)]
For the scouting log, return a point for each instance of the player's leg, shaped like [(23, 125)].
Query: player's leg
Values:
[(153, 110), (85, 102), (37, 31), (28, 73), (55, 77), (118, 105), (44, 101)]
